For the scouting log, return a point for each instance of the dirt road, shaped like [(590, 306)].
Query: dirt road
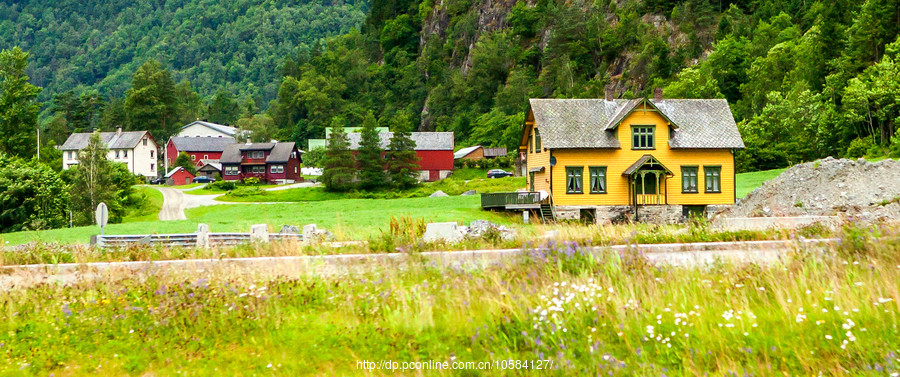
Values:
[(173, 204)]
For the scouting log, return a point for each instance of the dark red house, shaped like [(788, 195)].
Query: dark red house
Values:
[(198, 147), (270, 162), (434, 149)]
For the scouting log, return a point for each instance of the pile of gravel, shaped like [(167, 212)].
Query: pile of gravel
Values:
[(858, 189)]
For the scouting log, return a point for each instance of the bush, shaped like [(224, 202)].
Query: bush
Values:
[(252, 181), (895, 145), (859, 147), (222, 185), (248, 191)]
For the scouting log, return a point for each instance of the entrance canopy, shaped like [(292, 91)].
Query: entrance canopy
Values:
[(646, 162)]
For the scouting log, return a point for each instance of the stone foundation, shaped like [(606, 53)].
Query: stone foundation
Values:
[(653, 214)]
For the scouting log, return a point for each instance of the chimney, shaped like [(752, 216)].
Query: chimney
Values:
[(609, 93), (118, 130), (657, 94)]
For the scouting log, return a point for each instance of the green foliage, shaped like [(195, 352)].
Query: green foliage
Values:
[(150, 104), (238, 46), (251, 181), (32, 196), (257, 128), (224, 109), (18, 105), (184, 160), (369, 156), (339, 165), (859, 147), (314, 158), (895, 145), (220, 185), (403, 163)]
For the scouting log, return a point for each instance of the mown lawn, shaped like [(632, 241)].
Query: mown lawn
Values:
[(747, 182), (559, 308), (149, 211), (346, 218)]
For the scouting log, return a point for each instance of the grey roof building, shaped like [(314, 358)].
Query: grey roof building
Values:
[(425, 141), (278, 152), (589, 123), (201, 144), (112, 140)]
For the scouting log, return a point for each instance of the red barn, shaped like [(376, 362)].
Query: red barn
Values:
[(198, 147), (179, 176), (270, 162), (434, 149)]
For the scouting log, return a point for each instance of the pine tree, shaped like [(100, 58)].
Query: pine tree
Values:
[(403, 163), (93, 181), (340, 164), (371, 164), (18, 108), (150, 104)]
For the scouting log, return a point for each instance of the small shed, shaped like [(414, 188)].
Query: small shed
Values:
[(179, 176), (209, 168)]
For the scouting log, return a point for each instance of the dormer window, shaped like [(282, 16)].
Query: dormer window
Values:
[(642, 137), (255, 154)]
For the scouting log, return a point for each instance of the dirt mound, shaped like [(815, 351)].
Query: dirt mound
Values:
[(856, 189)]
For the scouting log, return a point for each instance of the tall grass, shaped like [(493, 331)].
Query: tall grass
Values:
[(831, 312)]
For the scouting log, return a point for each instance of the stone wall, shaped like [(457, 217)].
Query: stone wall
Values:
[(653, 214)]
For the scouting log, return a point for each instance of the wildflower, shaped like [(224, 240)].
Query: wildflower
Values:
[(828, 337)]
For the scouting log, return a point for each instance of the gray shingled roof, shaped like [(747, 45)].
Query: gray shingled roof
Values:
[(201, 144), (215, 126), (281, 152), (425, 141), (127, 140), (590, 123)]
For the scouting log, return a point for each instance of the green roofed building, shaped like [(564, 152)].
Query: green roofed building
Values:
[(320, 143)]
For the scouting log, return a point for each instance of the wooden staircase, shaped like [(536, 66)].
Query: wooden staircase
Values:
[(547, 213)]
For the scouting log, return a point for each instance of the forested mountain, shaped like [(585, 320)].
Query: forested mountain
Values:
[(805, 79), (234, 45)]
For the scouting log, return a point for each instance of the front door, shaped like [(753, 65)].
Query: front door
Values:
[(531, 181), (187, 180)]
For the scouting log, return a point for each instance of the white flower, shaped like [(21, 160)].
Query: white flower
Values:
[(828, 337)]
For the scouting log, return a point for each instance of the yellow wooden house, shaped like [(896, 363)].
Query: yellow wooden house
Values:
[(659, 158)]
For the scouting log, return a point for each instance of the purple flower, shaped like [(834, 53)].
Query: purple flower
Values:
[(66, 311)]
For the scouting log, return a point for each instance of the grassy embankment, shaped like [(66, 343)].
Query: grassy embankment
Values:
[(812, 314)]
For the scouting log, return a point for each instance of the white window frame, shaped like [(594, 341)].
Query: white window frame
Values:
[(232, 170)]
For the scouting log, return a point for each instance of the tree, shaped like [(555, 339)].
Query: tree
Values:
[(224, 109), (32, 196), (18, 106), (150, 103), (258, 128), (184, 160), (339, 164), (93, 182), (369, 157), (403, 163)]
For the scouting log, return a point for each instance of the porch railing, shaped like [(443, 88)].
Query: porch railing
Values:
[(505, 199), (650, 199)]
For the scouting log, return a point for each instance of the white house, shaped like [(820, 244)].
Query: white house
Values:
[(206, 129), (136, 149)]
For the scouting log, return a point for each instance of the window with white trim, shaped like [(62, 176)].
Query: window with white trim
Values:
[(231, 170), (276, 169)]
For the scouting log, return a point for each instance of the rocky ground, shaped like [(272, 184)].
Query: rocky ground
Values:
[(852, 189)]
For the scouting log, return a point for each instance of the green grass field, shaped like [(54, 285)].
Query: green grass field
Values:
[(747, 182), (148, 212), (346, 218)]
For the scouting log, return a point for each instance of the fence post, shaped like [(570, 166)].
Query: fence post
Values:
[(259, 233), (203, 236)]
